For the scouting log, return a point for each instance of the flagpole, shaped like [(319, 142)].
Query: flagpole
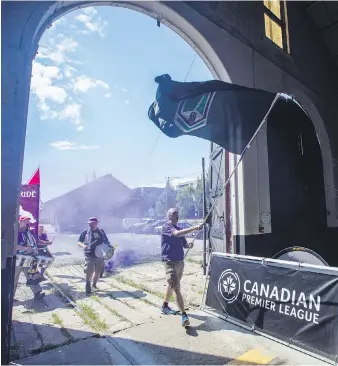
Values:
[(238, 162), (38, 197)]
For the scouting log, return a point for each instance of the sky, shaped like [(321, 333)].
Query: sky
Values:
[(92, 84)]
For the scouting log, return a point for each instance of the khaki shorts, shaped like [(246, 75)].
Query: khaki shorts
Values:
[(92, 265), (173, 272)]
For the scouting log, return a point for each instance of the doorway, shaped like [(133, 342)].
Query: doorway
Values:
[(297, 196)]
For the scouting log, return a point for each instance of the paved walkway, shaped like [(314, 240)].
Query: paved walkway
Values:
[(121, 324)]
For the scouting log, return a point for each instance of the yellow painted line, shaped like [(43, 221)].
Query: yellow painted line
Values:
[(252, 357)]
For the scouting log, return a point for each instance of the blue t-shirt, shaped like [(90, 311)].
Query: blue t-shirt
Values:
[(172, 246)]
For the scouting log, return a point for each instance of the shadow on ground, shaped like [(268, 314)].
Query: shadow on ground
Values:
[(111, 351)]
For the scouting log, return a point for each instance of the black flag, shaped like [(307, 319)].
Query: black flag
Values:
[(223, 113)]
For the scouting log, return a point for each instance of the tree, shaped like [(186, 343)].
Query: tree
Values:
[(160, 209), (190, 200), (186, 202), (199, 198), (166, 200)]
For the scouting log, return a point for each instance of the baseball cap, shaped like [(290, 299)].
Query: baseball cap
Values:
[(24, 218), (92, 220)]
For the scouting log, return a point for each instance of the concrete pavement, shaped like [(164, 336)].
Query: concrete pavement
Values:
[(209, 341), (121, 324)]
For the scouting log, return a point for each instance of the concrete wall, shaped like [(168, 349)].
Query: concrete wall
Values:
[(309, 74), (228, 36)]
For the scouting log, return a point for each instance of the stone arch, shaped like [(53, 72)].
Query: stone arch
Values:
[(310, 108), (24, 25), (157, 10)]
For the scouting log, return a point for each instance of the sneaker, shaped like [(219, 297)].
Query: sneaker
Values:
[(95, 286), (168, 311), (88, 288), (39, 295), (185, 321)]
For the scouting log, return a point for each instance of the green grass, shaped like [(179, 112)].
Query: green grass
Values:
[(195, 261), (86, 312), (30, 311), (58, 321), (91, 318), (139, 298), (142, 288), (111, 310)]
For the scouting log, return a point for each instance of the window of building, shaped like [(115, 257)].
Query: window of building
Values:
[(276, 27)]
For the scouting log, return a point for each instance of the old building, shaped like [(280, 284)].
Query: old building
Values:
[(106, 198), (285, 190)]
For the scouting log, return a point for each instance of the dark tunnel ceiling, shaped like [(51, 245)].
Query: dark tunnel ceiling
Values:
[(324, 15)]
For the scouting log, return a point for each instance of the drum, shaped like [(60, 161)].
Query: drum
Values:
[(44, 261), (300, 255), (44, 258), (104, 251), (24, 260)]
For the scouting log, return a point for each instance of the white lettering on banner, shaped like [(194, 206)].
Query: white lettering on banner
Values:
[(302, 300), (255, 288), (290, 303), (274, 293), (313, 302), (309, 316), (265, 290), (262, 303), (285, 292), (245, 288), (28, 194)]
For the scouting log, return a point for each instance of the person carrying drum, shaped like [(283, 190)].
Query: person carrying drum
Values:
[(89, 240), (26, 245), (43, 242)]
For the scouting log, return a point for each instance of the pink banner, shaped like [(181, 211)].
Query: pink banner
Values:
[(29, 204)]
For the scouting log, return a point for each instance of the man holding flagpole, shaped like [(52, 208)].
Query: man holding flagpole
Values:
[(172, 243)]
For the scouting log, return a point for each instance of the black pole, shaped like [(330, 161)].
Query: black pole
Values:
[(204, 215)]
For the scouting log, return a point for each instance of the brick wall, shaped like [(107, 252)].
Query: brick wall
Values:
[(310, 60)]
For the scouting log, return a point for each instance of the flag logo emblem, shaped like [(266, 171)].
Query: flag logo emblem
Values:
[(192, 113)]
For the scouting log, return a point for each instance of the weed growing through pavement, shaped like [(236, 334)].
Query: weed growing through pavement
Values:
[(141, 287), (91, 318), (58, 321), (111, 310), (195, 261)]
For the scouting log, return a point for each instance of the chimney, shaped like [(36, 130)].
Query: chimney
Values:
[(94, 176)]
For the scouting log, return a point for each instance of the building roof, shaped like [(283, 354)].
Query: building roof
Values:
[(106, 186), (176, 182)]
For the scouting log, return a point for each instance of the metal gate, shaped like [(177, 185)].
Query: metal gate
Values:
[(216, 181)]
